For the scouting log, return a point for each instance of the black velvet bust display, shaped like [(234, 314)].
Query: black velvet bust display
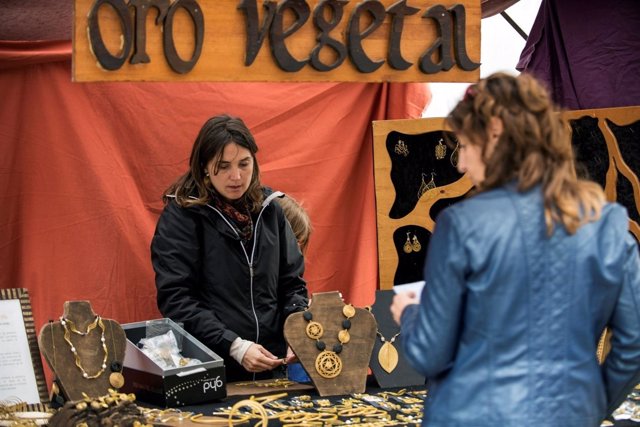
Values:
[(403, 374)]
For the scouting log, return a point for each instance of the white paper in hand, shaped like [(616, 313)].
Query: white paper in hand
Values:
[(413, 287)]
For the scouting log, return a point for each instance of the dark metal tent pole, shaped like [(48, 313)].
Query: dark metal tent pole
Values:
[(514, 25)]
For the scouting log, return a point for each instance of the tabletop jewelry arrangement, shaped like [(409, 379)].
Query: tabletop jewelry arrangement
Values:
[(388, 408)]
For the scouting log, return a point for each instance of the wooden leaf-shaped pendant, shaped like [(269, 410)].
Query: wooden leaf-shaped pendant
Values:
[(388, 357)]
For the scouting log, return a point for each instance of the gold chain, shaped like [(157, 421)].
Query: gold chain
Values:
[(72, 326), (67, 338)]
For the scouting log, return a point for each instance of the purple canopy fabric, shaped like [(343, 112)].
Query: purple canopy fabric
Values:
[(587, 51)]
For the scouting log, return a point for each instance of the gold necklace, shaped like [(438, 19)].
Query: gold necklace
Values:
[(388, 355), (72, 326), (67, 338), (328, 363), (116, 379)]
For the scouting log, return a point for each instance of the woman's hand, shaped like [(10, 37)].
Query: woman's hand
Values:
[(400, 302), (291, 357), (259, 359)]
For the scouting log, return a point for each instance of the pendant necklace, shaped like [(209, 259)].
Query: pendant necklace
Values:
[(116, 379), (388, 354), (68, 328), (328, 363)]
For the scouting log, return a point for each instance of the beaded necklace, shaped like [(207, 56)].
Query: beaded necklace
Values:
[(328, 363), (70, 327)]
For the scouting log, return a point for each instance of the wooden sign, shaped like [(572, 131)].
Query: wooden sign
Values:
[(416, 178), (285, 40)]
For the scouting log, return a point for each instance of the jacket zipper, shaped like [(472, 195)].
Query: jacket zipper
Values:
[(250, 260)]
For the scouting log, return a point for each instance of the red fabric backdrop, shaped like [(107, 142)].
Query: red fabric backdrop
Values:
[(83, 167)]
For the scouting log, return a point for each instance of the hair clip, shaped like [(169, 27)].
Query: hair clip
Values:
[(470, 93)]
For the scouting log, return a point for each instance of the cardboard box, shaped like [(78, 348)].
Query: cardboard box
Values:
[(173, 387)]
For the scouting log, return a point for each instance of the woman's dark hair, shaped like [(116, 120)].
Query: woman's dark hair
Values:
[(194, 187)]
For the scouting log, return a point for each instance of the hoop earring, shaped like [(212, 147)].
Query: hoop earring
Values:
[(407, 248), (454, 156), (441, 150), (416, 244)]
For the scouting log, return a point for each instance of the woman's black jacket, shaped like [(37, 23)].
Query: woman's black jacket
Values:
[(220, 289)]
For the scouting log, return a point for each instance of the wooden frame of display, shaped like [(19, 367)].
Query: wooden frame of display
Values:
[(387, 255), (388, 259), (622, 116), (22, 295)]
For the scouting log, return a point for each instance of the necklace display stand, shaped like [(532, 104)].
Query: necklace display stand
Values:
[(402, 374), (327, 310), (75, 351)]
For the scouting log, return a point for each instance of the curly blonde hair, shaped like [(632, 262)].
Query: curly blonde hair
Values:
[(534, 147), (298, 219)]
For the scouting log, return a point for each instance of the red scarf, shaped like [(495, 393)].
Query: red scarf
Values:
[(237, 213)]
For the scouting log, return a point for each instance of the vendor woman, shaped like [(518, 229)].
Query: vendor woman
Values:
[(227, 263)]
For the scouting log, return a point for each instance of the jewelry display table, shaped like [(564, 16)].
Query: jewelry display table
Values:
[(304, 406)]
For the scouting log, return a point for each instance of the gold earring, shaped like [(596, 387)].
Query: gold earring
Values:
[(423, 187), (431, 184), (441, 150), (454, 156), (416, 244), (401, 148), (426, 186), (407, 248)]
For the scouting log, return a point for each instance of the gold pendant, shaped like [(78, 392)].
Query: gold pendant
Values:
[(314, 330), (388, 357), (343, 336), (116, 379), (348, 311), (328, 364)]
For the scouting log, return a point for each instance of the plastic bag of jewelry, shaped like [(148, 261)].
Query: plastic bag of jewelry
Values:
[(163, 350), (160, 327)]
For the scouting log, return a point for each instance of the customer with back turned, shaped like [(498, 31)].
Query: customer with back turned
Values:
[(522, 277)]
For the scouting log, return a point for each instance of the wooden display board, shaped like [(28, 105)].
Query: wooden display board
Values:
[(606, 143), (607, 146), (404, 159), (285, 40)]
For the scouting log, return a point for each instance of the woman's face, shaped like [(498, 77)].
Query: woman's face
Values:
[(234, 171), (470, 159)]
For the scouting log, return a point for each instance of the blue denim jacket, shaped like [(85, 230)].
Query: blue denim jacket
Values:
[(509, 319)]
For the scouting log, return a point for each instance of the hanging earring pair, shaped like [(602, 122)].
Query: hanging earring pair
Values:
[(426, 186), (411, 244)]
